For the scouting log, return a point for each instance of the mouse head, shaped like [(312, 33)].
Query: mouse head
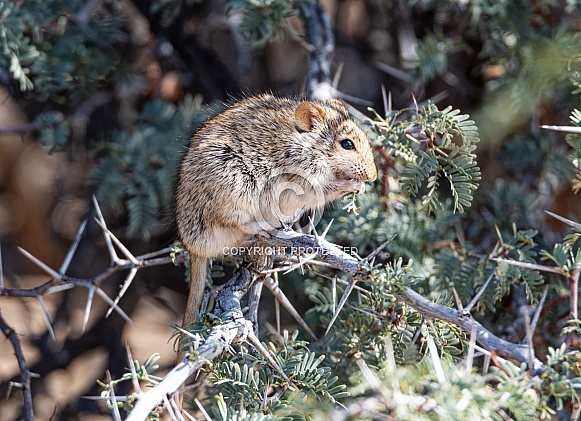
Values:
[(344, 146)]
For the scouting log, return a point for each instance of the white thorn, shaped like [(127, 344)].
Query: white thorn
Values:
[(436, 359), (90, 296), (126, 284), (132, 367), (59, 288), (46, 318), (110, 248), (41, 265), (341, 304), (118, 243), (117, 309), (566, 129), (73, 249), (202, 410)]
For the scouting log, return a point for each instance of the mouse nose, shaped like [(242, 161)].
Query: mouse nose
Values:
[(371, 174)]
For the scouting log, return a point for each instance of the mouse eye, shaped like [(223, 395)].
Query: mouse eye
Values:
[(347, 144)]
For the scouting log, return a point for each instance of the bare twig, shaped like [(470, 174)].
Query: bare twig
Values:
[(459, 305), (41, 265), (369, 375), (118, 243), (90, 296), (375, 252), (537, 314), (432, 310), (108, 242), (574, 294), (255, 342), (301, 263), (236, 328), (486, 363), (529, 336), (573, 276), (124, 288), (470, 356), (217, 343), (526, 265), (395, 72), (134, 379), (202, 410), (474, 300), (254, 301), (334, 294), (328, 252), (488, 354), (104, 296), (24, 373), (389, 352), (276, 303), (25, 128), (60, 281)]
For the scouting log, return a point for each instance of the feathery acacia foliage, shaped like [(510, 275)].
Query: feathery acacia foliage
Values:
[(136, 174), (434, 145), (265, 21)]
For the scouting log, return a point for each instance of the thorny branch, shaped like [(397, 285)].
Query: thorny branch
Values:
[(489, 341), (60, 281), (236, 328), (24, 372), (221, 337)]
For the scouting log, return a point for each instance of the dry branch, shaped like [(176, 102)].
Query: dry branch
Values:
[(236, 328), (221, 337), (24, 372), (489, 341)]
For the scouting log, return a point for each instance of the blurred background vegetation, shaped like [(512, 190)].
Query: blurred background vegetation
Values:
[(99, 97)]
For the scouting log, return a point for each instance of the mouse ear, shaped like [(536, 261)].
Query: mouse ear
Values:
[(306, 114)]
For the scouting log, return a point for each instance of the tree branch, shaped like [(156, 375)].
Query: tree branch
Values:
[(55, 285), (489, 341), (319, 33), (235, 330), (24, 372)]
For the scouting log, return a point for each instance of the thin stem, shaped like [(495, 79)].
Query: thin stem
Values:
[(24, 373), (574, 301)]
